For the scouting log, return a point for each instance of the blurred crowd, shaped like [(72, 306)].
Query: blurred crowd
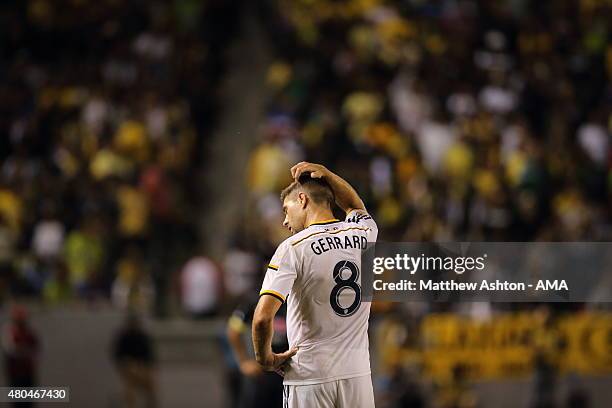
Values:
[(105, 111), (455, 120)]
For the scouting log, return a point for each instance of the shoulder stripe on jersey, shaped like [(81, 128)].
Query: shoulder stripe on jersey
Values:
[(329, 232), (272, 293), (273, 267)]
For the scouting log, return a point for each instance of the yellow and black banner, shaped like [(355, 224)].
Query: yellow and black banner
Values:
[(506, 345)]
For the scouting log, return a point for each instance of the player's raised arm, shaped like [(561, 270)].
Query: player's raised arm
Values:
[(346, 196)]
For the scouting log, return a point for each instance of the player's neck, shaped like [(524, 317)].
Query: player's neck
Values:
[(318, 216)]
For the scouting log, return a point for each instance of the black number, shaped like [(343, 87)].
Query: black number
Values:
[(344, 284)]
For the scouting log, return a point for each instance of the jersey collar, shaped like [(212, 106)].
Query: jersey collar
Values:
[(325, 222)]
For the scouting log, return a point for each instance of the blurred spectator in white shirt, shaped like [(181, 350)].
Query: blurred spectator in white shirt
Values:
[(48, 236), (200, 287), (241, 270)]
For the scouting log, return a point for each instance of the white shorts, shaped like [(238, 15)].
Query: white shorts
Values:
[(350, 393)]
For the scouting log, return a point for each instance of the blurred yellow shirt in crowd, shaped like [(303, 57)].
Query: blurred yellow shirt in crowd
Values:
[(131, 139), (361, 109), (389, 211), (486, 183), (385, 136), (267, 169), (83, 255), (364, 106), (107, 163), (133, 210), (11, 208), (458, 161), (515, 167), (278, 75)]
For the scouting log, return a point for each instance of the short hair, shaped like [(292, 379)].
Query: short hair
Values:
[(317, 189)]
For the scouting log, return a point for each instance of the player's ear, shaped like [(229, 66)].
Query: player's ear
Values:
[(303, 199)]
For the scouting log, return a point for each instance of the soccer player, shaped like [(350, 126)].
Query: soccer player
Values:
[(317, 272)]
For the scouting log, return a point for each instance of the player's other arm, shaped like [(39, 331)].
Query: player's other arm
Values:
[(262, 335), (346, 196)]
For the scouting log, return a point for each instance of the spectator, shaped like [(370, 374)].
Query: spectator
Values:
[(114, 135), (7, 254), (20, 346), (132, 289), (134, 357), (258, 388), (48, 237), (200, 287)]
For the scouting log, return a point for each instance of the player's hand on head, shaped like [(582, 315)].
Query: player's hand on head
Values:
[(315, 170)]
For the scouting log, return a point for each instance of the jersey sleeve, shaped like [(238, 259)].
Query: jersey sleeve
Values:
[(281, 273), (363, 219)]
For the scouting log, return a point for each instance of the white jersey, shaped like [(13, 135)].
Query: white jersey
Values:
[(318, 272)]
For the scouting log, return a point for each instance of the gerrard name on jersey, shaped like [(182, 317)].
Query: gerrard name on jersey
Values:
[(325, 244)]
